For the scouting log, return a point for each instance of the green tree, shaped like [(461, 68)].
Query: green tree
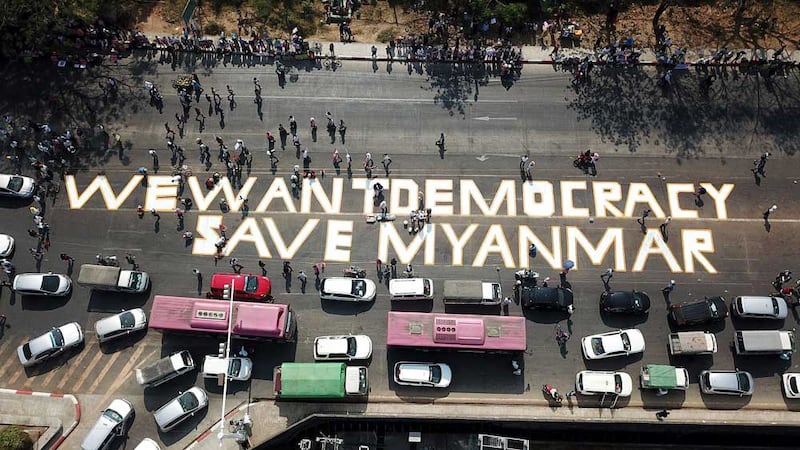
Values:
[(511, 13), (13, 438)]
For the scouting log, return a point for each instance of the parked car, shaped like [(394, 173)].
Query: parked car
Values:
[(238, 368), (437, 375), (726, 382), (791, 385), (6, 245), (47, 284), (147, 444), (180, 408), (50, 344), (613, 343), (17, 186), (121, 324), (111, 424), (342, 348), (246, 287), (628, 302), (760, 307), (538, 297), (595, 382), (347, 289), (698, 312)]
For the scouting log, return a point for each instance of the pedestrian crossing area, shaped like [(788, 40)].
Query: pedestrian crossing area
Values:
[(87, 369)]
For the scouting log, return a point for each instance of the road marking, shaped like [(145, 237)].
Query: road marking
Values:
[(87, 372), (103, 372), (4, 347), (370, 99), (77, 363), (123, 374), (18, 373), (52, 373), (482, 158), (487, 118)]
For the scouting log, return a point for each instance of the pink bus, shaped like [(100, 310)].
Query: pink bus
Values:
[(430, 331), (270, 322)]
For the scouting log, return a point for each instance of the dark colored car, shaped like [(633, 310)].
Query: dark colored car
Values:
[(628, 302), (699, 312), (538, 297)]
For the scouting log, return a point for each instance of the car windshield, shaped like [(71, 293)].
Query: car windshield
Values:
[(234, 366), (56, 337), (793, 384), (50, 283), (136, 280), (127, 320), (26, 350), (597, 345), (359, 288), (188, 401), (775, 305), (351, 346), (15, 184), (637, 300), (626, 342), (617, 383), (250, 284), (436, 374), (744, 382), (112, 415), (426, 287), (713, 307)]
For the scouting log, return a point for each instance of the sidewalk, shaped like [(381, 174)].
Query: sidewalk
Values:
[(270, 418), (60, 413)]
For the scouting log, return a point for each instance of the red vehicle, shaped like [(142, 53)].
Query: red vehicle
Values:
[(245, 287), (267, 322), (435, 331)]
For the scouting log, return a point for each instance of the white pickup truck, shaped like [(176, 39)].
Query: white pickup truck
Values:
[(109, 278)]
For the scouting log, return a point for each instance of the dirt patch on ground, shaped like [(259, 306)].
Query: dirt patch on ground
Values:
[(709, 25)]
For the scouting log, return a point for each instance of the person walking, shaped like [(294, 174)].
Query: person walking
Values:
[(663, 228), (154, 155), (369, 165), (237, 268), (440, 144), (263, 268), (303, 281), (641, 220), (313, 124), (769, 211), (337, 160), (387, 161), (287, 276), (342, 130), (283, 134), (606, 278), (667, 291), (506, 303), (760, 165)]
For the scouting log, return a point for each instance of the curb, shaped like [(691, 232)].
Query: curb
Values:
[(210, 430), (70, 397)]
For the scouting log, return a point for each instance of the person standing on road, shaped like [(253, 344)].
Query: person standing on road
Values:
[(263, 268), (303, 281), (283, 134), (761, 164), (369, 165), (287, 275), (440, 144), (769, 211), (237, 268), (606, 278), (641, 220), (667, 291), (342, 130), (387, 161)]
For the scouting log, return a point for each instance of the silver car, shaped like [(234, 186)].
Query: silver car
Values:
[(347, 289), (121, 324), (47, 284), (109, 426), (17, 186), (50, 344), (180, 408), (726, 382), (6, 245)]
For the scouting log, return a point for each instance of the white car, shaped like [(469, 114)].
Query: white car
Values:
[(437, 375), (594, 382), (342, 348), (121, 324), (611, 344), (50, 344), (759, 307), (147, 444), (17, 186), (347, 289), (47, 284), (237, 367), (180, 408), (111, 424), (726, 382), (791, 385), (6, 245)]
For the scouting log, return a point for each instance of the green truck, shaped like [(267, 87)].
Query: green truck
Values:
[(320, 381)]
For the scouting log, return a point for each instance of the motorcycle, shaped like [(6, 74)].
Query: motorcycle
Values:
[(552, 393), (355, 272), (107, 260), (582, 162)]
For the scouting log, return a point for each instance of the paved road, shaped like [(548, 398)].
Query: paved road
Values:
[(394, 113)]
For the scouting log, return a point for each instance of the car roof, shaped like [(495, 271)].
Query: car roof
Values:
[(331, 345), (415, 372), (406, 286), (757, 305), (339, 285)]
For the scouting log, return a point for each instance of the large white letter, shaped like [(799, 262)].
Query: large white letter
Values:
[(695, 243), (331, 205), (248, 231), (100, 182), (494, 242), (567, 205), (224, 185), (673, 189), (597, 254), (653, 244), (458, 243), (399, 187), (300, 237), (339, 240), (504, 193), (545, 206), (641, 193), (439, 197), (162, 193), (719, 197), (606, 192), (406, 253), (279, 190), (528, 237)]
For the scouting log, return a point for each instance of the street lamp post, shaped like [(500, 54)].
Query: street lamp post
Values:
[(227, 294)]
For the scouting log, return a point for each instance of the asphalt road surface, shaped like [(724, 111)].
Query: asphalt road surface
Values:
[(719, 247)]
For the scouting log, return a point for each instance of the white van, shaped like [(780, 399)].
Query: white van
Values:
[(411, 289), (763, 342), (759, 307)]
